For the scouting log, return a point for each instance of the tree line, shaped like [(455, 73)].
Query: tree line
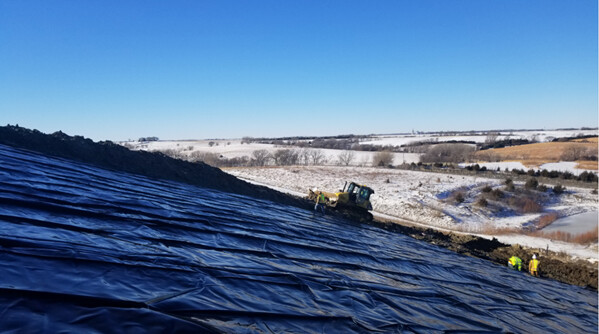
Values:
[(281, 157)]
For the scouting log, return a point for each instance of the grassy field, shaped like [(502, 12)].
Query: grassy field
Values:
[(586, 140), (534, 155)]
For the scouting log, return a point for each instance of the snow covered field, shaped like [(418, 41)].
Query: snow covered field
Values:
[(422, 198), (477, 137), (235, 149), (562, 166)]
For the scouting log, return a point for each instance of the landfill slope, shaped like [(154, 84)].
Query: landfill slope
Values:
[(158, 166), (111, 156), (85, 249)]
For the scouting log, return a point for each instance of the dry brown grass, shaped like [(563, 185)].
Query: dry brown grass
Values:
[(581, 238), (524, 204), (546, 220), (534, 155), (587, 164), (588, 237), (585, 140), (493, 230)]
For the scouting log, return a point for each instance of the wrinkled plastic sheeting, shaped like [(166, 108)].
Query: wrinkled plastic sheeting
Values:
[(89, 250)]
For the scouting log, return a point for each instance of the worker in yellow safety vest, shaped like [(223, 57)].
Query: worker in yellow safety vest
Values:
[(515, 263), (533, 266), (320, 202)]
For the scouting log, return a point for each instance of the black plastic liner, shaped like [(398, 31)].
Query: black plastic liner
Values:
[(89, 250)]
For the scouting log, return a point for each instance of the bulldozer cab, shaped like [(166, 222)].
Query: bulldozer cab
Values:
[(360, 195)]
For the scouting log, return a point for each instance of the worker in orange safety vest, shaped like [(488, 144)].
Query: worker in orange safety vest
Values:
[(533, 266)]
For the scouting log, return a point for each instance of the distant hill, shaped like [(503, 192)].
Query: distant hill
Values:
[(581, 150)]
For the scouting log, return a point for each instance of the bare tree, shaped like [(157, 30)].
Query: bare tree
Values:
[(487, 155), (316, 157), (285, 157), (260, 157), (211, 159), (292, 157), (278, 156), (174, 153), (491, 138), (246, 140), (346, 157), (383, 158), (304, 156), (574, 153), (447, 153)]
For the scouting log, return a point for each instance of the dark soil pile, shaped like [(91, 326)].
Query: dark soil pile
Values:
[(157, 165), (552, 265)]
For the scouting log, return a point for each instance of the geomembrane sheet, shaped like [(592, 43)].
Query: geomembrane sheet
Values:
[(87, 250)]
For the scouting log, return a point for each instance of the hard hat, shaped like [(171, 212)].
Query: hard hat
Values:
[(534, 256), (315, 189)]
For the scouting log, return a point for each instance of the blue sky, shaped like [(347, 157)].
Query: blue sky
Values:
[(226, 69)]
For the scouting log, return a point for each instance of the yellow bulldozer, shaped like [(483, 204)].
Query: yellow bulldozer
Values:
[(353, 201)]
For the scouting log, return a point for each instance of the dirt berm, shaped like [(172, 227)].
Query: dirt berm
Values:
[(156, 165), (552, 265)]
